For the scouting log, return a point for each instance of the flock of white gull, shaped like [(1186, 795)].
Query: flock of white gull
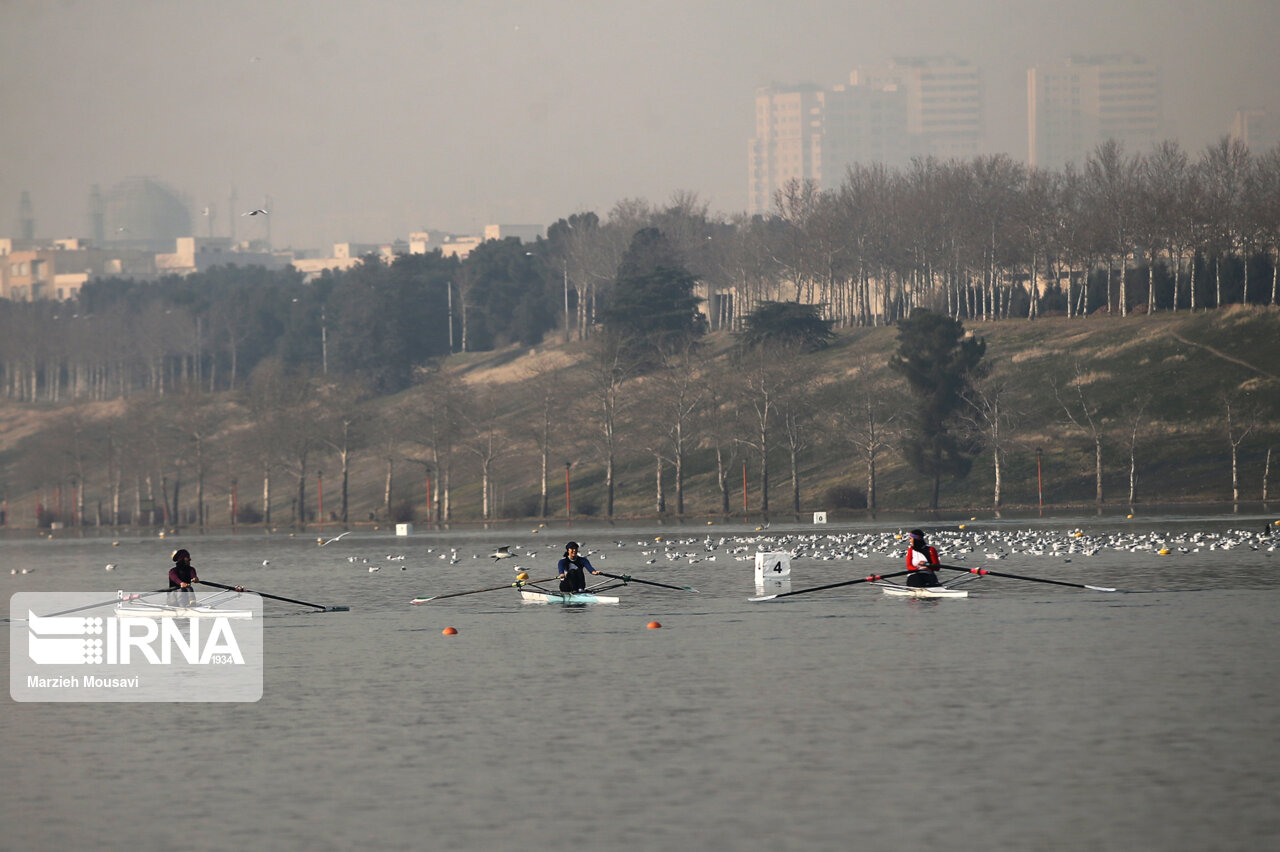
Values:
[(955, 544)]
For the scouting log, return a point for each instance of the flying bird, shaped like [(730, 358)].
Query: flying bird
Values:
[(335, 538), (503, 552), (261, 211)]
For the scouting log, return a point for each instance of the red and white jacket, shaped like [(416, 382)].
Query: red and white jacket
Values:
[(916, 560)]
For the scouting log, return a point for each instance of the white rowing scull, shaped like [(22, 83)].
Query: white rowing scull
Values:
[(132, 606), (922, 591)]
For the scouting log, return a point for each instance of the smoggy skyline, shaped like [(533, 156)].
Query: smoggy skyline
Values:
[(364, 122)]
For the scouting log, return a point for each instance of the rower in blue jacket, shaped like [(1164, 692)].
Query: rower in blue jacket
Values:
[(571, 567)]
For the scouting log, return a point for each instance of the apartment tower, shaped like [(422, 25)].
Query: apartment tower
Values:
[(1075, 105)]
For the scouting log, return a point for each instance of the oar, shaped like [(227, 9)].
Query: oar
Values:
[(982, 571), (627, 578), (105, 603), (320, 607), (517, 584), (870, 579)]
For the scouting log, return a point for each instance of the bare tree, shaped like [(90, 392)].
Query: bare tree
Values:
[(345, 428), (607, 371), (1084, 415), (865, 416), (1135, 422), (721, 424), (1241, 419), (433, 424), (1114, 180), (483, 438), (991, 417)]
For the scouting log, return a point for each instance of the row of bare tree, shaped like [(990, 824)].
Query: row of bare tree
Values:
[(699, 417)]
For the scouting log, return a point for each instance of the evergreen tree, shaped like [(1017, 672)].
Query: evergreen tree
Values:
[(653, 307), (938, 362), (786, 324)]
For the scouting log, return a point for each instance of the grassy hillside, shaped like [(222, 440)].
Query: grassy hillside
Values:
[(1181, 365)]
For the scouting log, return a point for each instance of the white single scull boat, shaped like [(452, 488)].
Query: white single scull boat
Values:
[(922, 591), (583, 597), (133, 607)]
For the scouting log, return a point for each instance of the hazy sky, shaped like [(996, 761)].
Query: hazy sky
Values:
[(367, 120)]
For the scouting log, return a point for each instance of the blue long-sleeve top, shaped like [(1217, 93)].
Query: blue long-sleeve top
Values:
[(580, 561)]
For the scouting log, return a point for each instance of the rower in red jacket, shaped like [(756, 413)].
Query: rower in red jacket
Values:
[(922, 560)]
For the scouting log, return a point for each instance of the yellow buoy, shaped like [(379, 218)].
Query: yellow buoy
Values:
[(1164, 551), (962, 526), (522, 576)]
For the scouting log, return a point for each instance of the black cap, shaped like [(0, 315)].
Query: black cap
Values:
[(178, 555), (572, 544)]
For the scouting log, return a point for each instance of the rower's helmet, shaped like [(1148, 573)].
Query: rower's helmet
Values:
[(179, 555)]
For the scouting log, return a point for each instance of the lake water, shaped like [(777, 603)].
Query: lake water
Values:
[(1027, 716)]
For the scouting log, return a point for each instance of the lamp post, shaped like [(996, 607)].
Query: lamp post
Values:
[(1039, 479)]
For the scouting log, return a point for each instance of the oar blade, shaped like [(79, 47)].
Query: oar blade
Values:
[(762, 598), (1101, 589)]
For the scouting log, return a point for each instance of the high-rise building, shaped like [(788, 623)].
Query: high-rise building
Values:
[(787, 144), (1075, 105), (863, 124), (929, 106), (945, 102), (1258, 129)]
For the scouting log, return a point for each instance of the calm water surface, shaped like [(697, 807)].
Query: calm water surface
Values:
[(1027, 716)]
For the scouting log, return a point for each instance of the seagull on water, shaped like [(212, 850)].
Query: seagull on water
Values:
[(261, 211)]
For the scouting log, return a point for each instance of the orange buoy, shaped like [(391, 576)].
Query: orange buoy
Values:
[(450, 631), (653, 625)]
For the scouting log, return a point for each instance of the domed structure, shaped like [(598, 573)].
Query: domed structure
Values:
[(143, 213)]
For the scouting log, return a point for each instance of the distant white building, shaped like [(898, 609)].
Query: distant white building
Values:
[(887, 114), (525, 233), (1258, 129), (1075, 105), (196, 254)]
